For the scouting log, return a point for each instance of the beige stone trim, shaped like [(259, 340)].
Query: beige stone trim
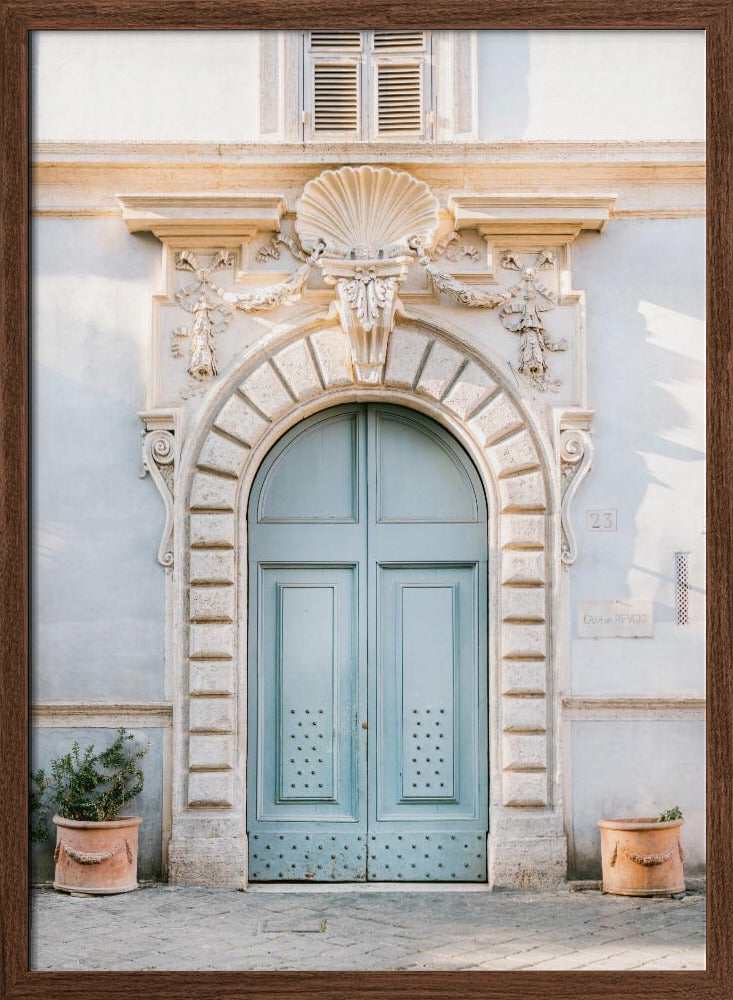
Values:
[(101, 715), (82, 180), (563, 152), (601, 709), (184, 215)]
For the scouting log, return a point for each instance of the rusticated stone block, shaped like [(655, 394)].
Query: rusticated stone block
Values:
[(524, 677), (524, 750), (405, 352), (440, 367), (212, 603), (472, 387), (240, 420), (530, 863), (212, 566), (334, 356), (211, 677), (209, 752), (523, 531), (521, 714), (296, 366), (523, 604), (266, 391), (210, 788), (215, 862), (513, 454), (212, 529), (211, 715), (524, 788), (525, 492), (497, 418), (213, 492), (523, 567), (223, 455), (524, 640), (211, 641)]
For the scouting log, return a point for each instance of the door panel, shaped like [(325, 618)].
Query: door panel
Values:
[(309, 821), (428, 703), (410, 457), (367, 689), (316, 477)]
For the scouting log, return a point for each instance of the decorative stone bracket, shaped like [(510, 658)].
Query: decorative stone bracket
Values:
[(159, 455), (576, 459)]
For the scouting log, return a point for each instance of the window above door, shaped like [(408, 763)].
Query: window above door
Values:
[(377, 87), (367, 85)]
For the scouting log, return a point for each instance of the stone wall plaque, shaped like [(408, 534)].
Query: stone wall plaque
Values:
[(616, 619)]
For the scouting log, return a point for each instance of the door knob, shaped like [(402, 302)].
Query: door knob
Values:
[(365, 725)]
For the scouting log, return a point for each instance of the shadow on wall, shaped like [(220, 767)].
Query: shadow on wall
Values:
[(646, 380), (49, 743)]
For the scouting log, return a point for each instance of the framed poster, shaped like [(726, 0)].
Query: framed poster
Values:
[(354, 412)]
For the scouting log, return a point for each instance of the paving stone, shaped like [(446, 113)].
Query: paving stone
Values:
[(176, 928)]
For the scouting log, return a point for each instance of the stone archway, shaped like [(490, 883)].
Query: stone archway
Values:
[(277, 385)]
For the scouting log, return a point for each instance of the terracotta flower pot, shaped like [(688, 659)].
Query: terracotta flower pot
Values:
[(98, 858), (641, 857)]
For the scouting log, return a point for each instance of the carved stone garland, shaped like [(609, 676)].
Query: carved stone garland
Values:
[(522, 314), (205, 301), (363, 227)]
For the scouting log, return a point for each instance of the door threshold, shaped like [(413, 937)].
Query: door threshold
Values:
[(281, 887)]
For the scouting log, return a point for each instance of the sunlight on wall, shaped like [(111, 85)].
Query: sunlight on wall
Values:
[(670, 514)]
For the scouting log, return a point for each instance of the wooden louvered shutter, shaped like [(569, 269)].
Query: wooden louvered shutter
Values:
[(401, 84), (366, 85), (333, 85)]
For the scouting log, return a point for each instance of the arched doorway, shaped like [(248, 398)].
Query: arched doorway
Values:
[(367, 677)]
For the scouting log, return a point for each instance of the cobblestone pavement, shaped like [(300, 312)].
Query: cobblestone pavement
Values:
[(166, 927)]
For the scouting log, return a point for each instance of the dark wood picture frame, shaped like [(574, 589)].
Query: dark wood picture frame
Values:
[(19, 18)]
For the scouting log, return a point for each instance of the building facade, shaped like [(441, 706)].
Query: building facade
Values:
[(406, 330)]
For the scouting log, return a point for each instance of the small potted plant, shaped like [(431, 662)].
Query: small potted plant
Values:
[(643, 856), (96, 849)]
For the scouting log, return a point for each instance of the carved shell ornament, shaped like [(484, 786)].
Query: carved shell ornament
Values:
[(362, 227), (365, 212)]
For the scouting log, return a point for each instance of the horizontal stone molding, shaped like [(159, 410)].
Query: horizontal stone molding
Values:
[(600, 709), (82, 179), (102, 715)]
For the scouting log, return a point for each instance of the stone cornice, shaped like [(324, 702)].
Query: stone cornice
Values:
[(550, 214), (183, 215)]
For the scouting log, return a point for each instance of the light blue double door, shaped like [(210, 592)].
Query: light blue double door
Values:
[(367, 703)]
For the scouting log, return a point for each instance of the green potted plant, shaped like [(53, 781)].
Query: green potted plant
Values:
[(96, 849), (642, 856)]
